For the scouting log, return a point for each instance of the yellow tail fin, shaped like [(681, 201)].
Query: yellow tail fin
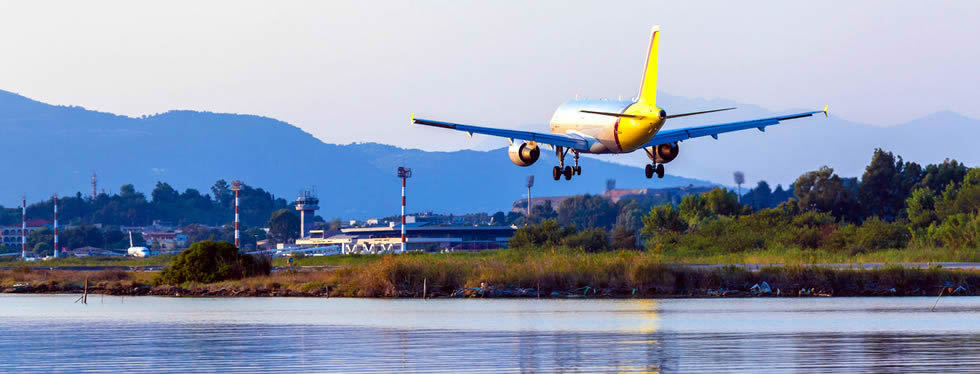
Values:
[(648, 88)]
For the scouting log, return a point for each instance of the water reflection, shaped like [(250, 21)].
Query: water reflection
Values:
[(44, 333)]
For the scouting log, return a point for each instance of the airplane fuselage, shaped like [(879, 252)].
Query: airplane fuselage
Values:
[(606, 133)]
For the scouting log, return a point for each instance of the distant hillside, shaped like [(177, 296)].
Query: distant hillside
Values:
[(49, 149)]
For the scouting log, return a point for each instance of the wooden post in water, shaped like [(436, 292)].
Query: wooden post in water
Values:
[(425, 284), (937, 300), (85, 294)]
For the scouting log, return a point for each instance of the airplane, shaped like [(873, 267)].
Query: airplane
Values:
[(613, 126)]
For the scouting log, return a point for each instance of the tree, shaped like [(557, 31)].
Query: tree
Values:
[(661, 219), (221, 191), (540, 213), (824, 191), (41, 235), (886, 184), (548, 233), (937, 177), (498, 218), (283, 226), (962, 200), (623, 238), (210, 261), (722, 202), (630, 216), (594, 240), (921, 209), (694, 208), (760, 195), (779, 195), (587, 212), (43, 249)]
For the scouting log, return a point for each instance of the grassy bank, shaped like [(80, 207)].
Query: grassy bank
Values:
[(162, 260), (519, 273), (788, 256)]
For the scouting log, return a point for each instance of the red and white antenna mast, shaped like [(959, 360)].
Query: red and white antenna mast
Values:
[(55, 199), (236, 186), (403, 173), (23, 228)]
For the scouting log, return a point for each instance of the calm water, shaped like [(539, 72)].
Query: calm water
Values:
[(151, 334)]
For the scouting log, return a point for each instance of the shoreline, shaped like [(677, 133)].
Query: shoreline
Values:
[(489, 293), (965, 285)]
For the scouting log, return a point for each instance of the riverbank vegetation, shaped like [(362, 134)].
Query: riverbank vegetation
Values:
[(537, 272)]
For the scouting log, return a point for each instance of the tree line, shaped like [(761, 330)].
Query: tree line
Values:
[(129, 207), (894, 204)]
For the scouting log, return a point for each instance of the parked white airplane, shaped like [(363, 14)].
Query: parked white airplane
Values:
[(608, 126)]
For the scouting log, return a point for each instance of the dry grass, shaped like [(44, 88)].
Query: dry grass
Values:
[(620, 273)]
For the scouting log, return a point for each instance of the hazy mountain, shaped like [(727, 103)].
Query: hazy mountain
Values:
[(787, 150), (49, 149)]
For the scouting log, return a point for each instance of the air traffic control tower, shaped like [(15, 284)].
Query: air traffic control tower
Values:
[(306, 204)]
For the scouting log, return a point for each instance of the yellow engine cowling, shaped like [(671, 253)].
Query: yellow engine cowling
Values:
[(663, 153), (524, 154)]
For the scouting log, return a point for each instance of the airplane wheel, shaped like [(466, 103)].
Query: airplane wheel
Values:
[(578, 170), (556, 173), (649, 171), (660, 171), (568, 173)]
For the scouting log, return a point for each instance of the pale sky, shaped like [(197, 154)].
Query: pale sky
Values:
[(354, 71)]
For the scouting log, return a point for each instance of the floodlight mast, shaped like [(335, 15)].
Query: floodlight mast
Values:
[(403, 173), (530, 183)]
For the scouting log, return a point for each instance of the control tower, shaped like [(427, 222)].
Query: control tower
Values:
[(306, 204)]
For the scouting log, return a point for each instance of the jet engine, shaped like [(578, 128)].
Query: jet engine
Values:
[(663, 153), (524, 154)]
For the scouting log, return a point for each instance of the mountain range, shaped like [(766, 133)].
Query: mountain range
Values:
[(50, 149)]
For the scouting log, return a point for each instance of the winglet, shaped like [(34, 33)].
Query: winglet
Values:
[(413, 117), (826, 109)]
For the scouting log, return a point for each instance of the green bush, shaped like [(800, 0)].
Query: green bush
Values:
[(210, 261), (594, 240), (549, 233), (877, 234), (623, 238), (957, 231)]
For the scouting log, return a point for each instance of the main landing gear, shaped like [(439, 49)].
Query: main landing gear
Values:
[(654, 168), (561, 169), (651, 170)]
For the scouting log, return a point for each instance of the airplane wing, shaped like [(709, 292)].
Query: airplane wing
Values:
[(567, 141), (671, 136)]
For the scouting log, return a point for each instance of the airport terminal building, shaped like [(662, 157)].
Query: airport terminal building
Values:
[(420, 236)]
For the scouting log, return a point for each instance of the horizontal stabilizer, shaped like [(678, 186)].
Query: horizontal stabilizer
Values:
[(695, 113)]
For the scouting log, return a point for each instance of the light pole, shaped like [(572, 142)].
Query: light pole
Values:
[(530, 183), (403, 173), (23, 228), (739, 179), (55, 200)]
